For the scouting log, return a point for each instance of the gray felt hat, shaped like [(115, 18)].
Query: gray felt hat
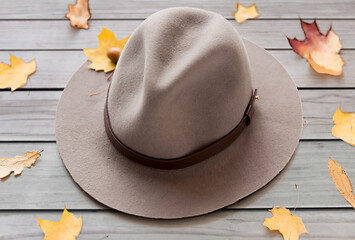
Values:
[(179, 132)]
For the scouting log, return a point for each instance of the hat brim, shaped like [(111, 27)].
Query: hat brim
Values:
[(249, 163)]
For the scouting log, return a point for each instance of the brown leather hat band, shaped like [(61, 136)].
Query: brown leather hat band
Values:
[(187, 160)]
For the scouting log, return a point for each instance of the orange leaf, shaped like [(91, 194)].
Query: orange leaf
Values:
[(98, 56), (15, 75), (68, 227), (244, 13), (341, 181), (321, 51), (289, 225), (79, 14), (17, 164), (344, 126)]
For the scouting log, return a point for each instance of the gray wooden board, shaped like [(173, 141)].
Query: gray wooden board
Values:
[(38, 29), (47, 34), (54, 68), (108, 9), (48, 185), (29, 115), (222, 225)]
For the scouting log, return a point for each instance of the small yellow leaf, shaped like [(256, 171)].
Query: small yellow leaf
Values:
[(68, 227), (17, 164), (79, 14), (98, 56), (344, 126), (15, 75), (321, 51), (341, 181), (289, 225), (244, 13)]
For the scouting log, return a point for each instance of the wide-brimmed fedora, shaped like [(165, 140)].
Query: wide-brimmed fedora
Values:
[(195, 118)]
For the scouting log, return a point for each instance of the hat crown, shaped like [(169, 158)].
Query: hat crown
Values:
[(182, 82)]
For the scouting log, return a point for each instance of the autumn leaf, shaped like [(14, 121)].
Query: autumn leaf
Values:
[(321, 51), (244, 13), (341, 181), (289, 225), (68, 227), (344, 126), (17, 164), (98, 56), (79, 14), (16, 74)]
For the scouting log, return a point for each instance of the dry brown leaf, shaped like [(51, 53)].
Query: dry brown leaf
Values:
[(321, 51), (79, 14), (344, 126), (244, 13), (341, 181), (99, 56), (16, 74), (67, 228), (289, 225), (17, 164)]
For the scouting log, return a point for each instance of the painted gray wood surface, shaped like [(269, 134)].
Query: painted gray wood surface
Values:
[(38, 29), (54, 68), (29, 115), (108, 9), (48, 34), (221, 225), (48, 185)]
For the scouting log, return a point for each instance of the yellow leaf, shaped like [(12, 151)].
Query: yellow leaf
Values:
[(244, 13), (289, 225), (321, 51), (344, 126), (68, 227), (327, 63), (98, 56), (15, 75), (341, 181), (17, 164), (79, 14)]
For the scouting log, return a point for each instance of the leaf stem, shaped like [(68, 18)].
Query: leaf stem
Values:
[(298, 199)]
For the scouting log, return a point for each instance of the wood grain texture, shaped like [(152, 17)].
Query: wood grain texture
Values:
[(46, 34), (29, 115), (319, 107), (108, 9), (48, 185), (236, 225), (29, 28), (54, 68)]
